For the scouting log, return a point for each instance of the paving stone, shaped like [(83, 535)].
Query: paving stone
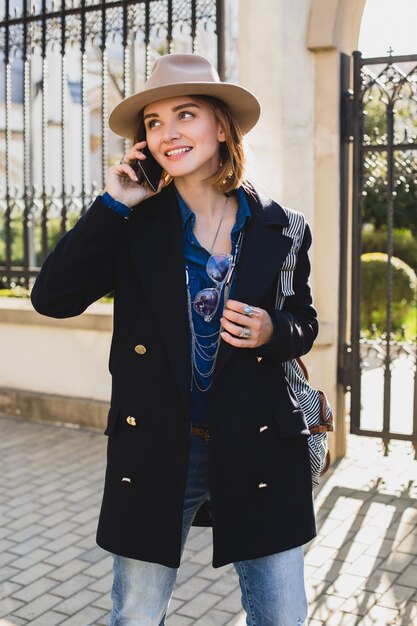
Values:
[(180, 620), (214, 618), (30, 592), (199, 542), (187, 570), (6, 558), (30, 559), (58, 530), (86, 617), (382, 547), (9, 605), (381, 614), (409, 577), (379, 581), (31, 574), (359, 603), (240, 620), (5, 532), (362, 566), (60, 558), (320, 554), (409, 544), (50, 618), (100, 568), (62, 542), (103, 585), (56, 518), (408, 617), (399, 530), (324, 606), (73, 585), (29, 545), (232, 602), (94, 555), (199, 605), (85, 517), (78, 601), (204, 556), (397, 597), (396, 562), (86, 543), (35, 608), (340, 618), (68, 570), (190, 588), (23, 510), (8, 589), (215, 573), (346, 584), (104, 602), (25, 520), (12, 620), (225, 585)]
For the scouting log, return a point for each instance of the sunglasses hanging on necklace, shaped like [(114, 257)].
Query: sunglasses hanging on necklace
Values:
[(207, 300), (198, 348)]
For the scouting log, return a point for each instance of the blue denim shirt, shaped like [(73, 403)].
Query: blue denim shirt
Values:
[(195, 258)]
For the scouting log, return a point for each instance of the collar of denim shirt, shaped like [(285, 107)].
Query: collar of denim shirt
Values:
[(243, 211)]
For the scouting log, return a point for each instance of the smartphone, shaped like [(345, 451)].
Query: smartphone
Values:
[(148, 169)]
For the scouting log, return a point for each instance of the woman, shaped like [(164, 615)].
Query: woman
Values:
[(203, 427)]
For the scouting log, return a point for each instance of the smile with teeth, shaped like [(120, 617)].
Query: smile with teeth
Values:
[(177, 151)]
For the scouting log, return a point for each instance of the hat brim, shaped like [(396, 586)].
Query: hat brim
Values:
[(243, 105)]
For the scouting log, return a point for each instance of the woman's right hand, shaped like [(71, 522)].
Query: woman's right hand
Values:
[(122, 183)]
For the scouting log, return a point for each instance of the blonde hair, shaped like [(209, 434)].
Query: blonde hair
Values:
[(230, 174)]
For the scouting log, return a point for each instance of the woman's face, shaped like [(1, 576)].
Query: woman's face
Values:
[(183, 135)]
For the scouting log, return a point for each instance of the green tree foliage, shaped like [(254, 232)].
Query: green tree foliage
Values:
[(374, 206), (405, 243), (374, 291)]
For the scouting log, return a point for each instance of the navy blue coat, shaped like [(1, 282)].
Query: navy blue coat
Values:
[(141, 260)]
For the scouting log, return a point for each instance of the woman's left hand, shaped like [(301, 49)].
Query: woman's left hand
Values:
[(235, 320)]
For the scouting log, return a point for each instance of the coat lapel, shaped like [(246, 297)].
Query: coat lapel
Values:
[(156, 250), (264, 250)]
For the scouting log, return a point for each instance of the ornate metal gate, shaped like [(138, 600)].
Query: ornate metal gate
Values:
[(63, 64), (379, 182)]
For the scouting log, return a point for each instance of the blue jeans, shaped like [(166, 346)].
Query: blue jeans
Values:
[(272, 587)]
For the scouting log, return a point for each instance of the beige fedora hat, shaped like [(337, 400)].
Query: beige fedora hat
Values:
[(184, 75)]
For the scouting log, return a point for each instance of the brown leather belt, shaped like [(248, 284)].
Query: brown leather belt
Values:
[(200, 432)]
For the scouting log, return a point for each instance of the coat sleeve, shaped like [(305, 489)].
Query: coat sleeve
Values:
[(81, 268), (295, 326)]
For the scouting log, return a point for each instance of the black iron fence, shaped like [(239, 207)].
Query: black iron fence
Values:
[(63, 65), (379, 139)]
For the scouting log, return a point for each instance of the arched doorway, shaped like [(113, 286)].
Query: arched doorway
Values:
[(333, 35)]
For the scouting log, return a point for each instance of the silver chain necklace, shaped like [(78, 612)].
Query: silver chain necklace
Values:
[(220, 223), (197, 346)]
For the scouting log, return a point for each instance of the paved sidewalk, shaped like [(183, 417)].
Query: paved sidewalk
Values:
[(360, 570)]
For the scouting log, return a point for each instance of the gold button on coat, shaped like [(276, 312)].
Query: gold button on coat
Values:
[(131, 421), (140, 349)]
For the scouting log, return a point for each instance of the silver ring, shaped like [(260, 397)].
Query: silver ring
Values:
[(251, 311), (245, 333), (123, 162)]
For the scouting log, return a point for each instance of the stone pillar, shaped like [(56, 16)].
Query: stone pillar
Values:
[(289, 56)]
